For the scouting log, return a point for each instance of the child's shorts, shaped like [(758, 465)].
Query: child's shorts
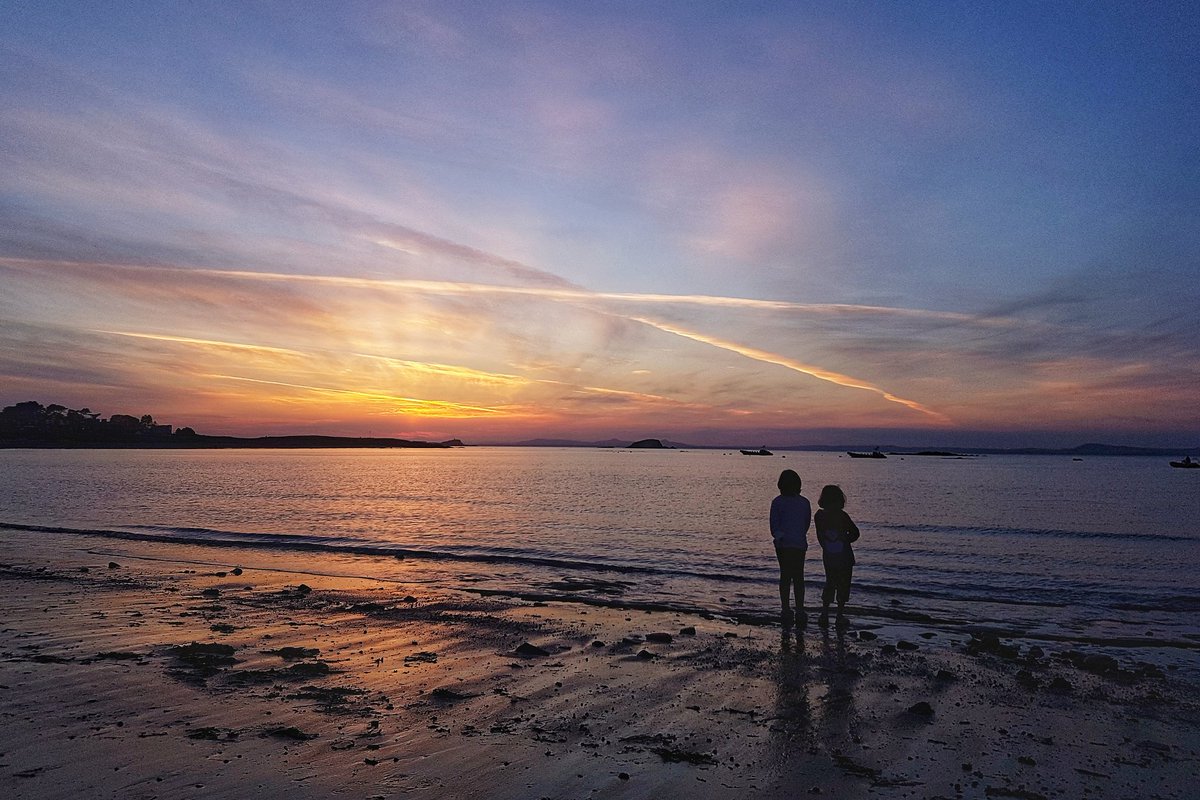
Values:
[(791, 560)]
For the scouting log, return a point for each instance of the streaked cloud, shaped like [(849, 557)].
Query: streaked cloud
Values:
[(991, 319), (440, 370), (805, 369), (394, 403)]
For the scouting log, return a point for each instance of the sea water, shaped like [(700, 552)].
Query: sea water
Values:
[(1102, 552)]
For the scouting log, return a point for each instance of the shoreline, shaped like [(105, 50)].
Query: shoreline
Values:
[(201, 441), (163, 677), (1170, 645), (322, 442)]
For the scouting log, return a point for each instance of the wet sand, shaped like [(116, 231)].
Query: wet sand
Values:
[(145, 673)]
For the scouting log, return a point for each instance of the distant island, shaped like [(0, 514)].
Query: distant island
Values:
[(1091, 449), (1082, 450), (31, 424), (610, 444)]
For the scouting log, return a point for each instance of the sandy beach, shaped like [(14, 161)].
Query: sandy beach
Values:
[(150, 670)]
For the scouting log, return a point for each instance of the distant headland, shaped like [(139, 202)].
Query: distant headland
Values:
[(1092, 449), (31, 424)]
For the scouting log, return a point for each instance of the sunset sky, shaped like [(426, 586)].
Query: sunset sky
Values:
[(737, 223)]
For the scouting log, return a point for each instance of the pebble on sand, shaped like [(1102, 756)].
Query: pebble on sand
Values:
[(529, 650), (921, 709)]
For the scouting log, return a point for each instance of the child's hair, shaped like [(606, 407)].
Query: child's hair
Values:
[(789, 482), (832, 498)]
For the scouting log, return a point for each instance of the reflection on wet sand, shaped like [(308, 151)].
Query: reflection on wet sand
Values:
[(815, 709), (837, 716), (793, 709)]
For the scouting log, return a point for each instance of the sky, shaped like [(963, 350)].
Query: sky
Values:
[(717, 223)]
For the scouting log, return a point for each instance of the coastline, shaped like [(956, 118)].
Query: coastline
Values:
[(168, 675), (204, 442)]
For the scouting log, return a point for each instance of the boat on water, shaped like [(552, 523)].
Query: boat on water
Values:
[(1187, 463), (762, 451), (873, 454)]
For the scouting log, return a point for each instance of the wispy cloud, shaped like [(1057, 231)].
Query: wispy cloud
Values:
[(395, 403), (587, 297), (438, 370), (473, 288), (795, 366)]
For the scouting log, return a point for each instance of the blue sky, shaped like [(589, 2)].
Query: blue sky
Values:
[(708, 221)]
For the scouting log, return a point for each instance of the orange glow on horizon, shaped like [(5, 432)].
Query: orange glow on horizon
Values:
[(350, 355)]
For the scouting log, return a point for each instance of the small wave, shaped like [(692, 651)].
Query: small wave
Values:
[(942, 592), (352, 546), (1034, 532), (1189, 604), (904, 586)]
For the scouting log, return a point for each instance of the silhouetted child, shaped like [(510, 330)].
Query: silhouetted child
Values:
[(791, 515), (835, 532)]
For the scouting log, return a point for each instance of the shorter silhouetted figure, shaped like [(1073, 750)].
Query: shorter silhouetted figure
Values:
[(791, 516), (835, 532)]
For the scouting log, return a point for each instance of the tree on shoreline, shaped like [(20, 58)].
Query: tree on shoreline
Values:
[(31, 424), (34, 423)]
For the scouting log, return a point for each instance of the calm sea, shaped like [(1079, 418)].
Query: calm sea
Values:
[(1102, 551)]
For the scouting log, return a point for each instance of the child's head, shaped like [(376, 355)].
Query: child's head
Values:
[(832, 498), (789, 482)]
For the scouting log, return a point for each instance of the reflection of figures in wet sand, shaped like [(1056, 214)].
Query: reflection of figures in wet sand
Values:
[(791, 516), (792, 710), (835, 531), (836, 715), (815, 710)]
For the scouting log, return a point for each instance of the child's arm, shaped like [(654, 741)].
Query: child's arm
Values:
[(825, 535), (851, 534)]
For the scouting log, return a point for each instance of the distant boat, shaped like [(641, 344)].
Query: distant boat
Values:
[(1187, 463), (873, 454), (762, 451)]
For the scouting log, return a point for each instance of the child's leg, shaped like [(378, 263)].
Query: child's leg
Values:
[(843, 594), (826, 597), (844, 586), (785, 577), (798, 586)]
